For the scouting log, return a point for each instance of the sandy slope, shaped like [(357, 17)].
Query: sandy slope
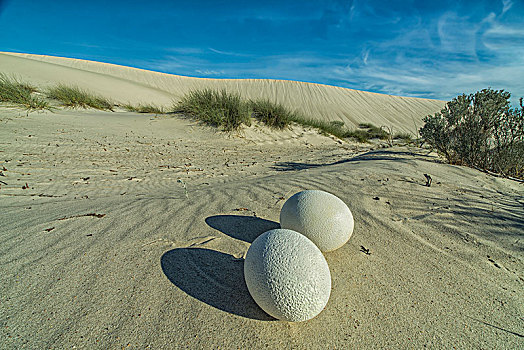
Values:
[(132, 230), (126, 84)]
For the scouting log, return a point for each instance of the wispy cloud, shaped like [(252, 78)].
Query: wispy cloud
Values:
[(185, 50), (209, 72), (228, 53), (506, 5), (425, 49)]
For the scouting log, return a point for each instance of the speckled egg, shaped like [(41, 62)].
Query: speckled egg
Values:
[(287, 275), (320, 216)]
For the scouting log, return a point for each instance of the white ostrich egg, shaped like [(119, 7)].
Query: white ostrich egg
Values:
[(287, 275), (320, 216)]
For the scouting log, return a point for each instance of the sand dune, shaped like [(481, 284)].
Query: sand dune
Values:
[(318, 101), (127, 230), (124, 230)]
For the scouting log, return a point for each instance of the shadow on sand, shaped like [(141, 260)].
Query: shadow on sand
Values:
[(245, 228), (397, 156), (214, 278)]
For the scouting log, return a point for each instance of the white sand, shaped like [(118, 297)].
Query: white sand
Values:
[(132, 231), (124, 84)]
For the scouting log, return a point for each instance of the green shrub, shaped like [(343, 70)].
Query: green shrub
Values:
[(479, 130), (20, 94), (272, 114), (216, 108), (75, 97)]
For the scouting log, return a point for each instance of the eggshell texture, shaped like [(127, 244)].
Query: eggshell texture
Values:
[(320, 216), (287, 275)]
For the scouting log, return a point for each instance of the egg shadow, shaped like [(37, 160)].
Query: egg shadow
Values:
[(245, 228), (214, 278)]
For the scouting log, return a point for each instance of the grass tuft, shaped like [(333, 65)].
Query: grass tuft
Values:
[(144, 108), (277, 116), (229, 111), (20, 94), (368, 131), (404, 137), (272, 114), (326, 128), (216, 108), (75, 97), (358, 134), (374, 132)]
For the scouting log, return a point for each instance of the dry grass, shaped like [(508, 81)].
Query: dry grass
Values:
[(75, 97), (20, 94)]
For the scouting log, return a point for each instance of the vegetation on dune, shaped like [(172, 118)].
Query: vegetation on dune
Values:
[(272, 114), (230, 112), (403, 136), (20, 94), (358, 135), (277, 116), (75, 97), (374, 132), (144, 108), (335, 128), (480, 130), (365, 132), (216, 108)]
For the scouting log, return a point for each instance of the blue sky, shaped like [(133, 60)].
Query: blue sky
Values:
[(434, 49)]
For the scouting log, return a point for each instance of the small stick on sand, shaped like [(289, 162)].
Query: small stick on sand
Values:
[(428, 180)]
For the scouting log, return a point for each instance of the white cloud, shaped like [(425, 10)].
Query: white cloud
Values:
[(365, 56), (504, 30), (227, 53), (185, 50), (506, 5), (457, 34), (439, 57), (208, 72)]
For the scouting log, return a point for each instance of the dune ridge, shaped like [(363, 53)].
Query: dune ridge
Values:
[(126, 84)]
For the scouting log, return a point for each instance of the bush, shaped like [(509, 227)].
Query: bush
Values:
[(75, 97), (216, 108), (479, 130), (20, 94)]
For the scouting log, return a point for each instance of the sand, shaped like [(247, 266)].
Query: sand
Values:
[(125, 230), (124, 84)]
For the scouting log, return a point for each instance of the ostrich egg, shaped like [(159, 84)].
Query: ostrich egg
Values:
[(320, 216), (287, 275)]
